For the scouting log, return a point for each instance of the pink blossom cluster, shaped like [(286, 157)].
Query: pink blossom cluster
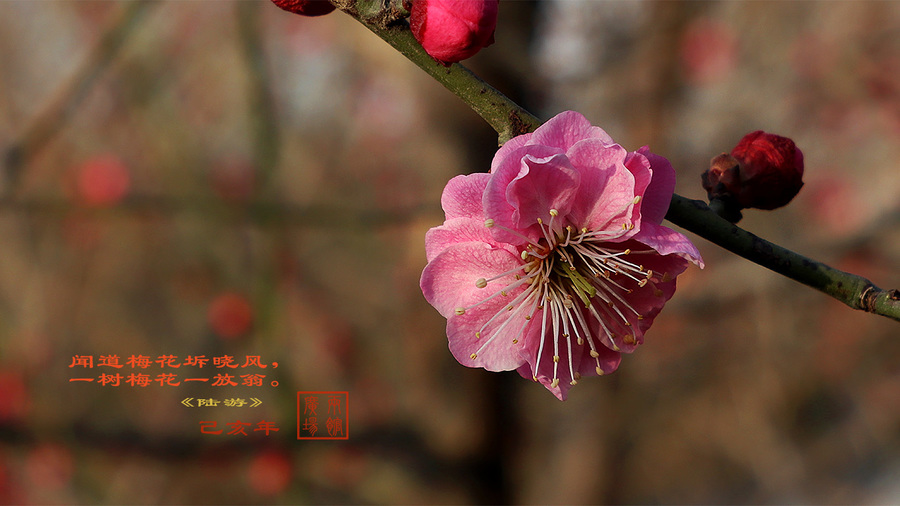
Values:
[(555, 263)]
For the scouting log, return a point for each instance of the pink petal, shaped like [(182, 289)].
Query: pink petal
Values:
[(506, 150), (565, 129), (470, 261), (524, 187), (448, 281), (456, 231), (603, 173), (462, 196), (500, 354), (668, 242), (658, 195), (639, 166), (542, 184)]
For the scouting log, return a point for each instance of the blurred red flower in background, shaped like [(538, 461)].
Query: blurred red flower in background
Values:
[(230, 315), (233, 179), (49, 466), (269, 472), (14, 399), (102, 181), (708, 51)]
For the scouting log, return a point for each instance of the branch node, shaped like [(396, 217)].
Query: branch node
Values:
[(517, 126), (867, 298)]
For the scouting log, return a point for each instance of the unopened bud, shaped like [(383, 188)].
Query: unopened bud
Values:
[(306, 7), (764, 171), (453, 30), (723, 178)]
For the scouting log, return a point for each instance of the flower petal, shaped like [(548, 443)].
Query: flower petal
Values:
[(658, 195), (542, 184), (462, 196), (448, 281), (603, 173), (500, 354), (456, 231), (639, 166), (668, 242), (505, 151), (525, 187), (565, 129)]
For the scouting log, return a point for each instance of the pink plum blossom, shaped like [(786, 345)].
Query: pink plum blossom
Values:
[(555, 263)]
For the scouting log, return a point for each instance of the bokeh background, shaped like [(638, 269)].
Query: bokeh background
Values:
[(225, 178)]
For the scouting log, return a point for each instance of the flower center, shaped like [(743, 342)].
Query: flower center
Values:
[(575, 283)]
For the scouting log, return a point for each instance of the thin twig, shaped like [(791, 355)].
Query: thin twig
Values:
[(854, 291), (502, 114)]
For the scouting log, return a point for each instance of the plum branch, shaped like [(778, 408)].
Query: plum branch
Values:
[(851, 289), (509, 119), (506, 117)]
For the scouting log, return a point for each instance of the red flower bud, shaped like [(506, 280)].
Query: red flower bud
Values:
[(306, 7), (764, 171), (453, 30), (771, 170)]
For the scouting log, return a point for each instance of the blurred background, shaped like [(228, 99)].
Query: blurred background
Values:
[(225, 178)]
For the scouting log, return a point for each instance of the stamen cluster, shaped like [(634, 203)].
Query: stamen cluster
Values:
[(570, 277)]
